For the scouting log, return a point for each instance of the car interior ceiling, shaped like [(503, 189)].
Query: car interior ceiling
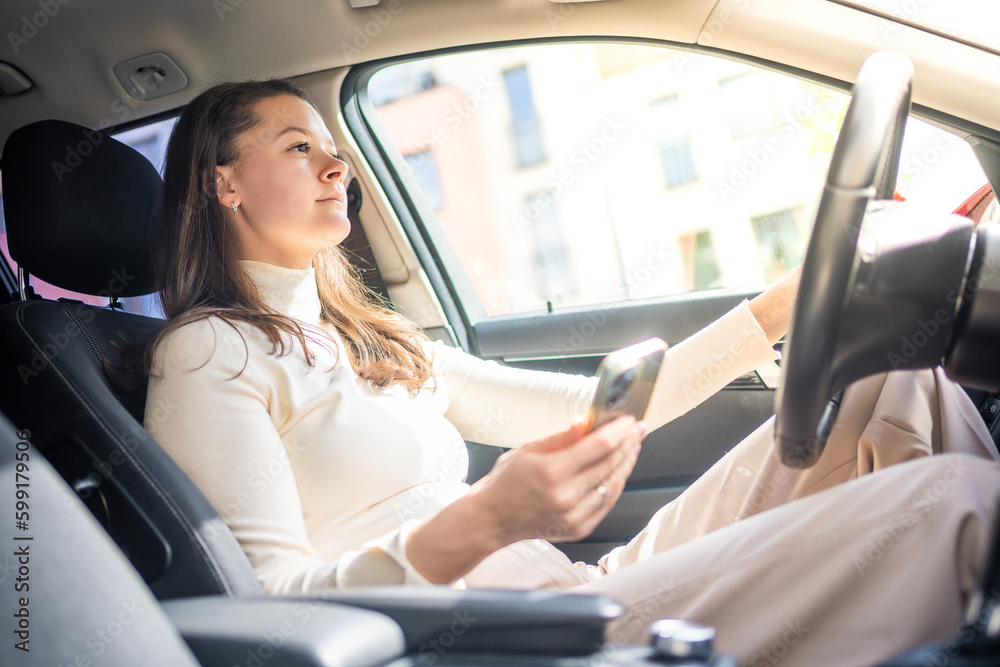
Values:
[(91, 98), (83, 405)]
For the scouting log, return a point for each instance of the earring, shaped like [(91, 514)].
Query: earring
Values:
[(236, 211)]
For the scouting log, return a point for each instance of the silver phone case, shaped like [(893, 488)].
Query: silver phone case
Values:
[(626, 381)]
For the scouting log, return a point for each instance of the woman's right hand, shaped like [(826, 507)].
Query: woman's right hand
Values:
[(557, 488)]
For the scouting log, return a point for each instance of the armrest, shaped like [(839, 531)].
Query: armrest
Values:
[(436, 619), (252, 631)]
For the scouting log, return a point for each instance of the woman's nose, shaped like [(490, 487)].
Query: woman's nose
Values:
[(336, 170)]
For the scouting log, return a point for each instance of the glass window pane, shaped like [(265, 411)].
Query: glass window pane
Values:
[(749, 105), (676, 157), (700, 263), (524, 118), (424, 169), (643, 191), (555, 277), (779, 243)]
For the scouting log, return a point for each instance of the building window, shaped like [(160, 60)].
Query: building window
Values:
[(526, 125), (555, 277), (672, 140), (699, 261), (779, 243), (424, 169), (392, 83), (749, 104)]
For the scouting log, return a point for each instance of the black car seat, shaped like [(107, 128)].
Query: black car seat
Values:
[(79, 206)]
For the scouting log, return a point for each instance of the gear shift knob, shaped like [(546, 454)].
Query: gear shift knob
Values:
[(673, 639)]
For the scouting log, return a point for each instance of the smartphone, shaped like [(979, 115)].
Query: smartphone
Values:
[(626, 382)]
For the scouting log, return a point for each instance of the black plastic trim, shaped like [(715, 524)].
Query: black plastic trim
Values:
[(537, 621), (353, 96), (284, 631)]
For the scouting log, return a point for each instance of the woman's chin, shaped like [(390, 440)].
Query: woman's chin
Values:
[(337, 231)]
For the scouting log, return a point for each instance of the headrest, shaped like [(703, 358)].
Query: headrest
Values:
[(79, 208)]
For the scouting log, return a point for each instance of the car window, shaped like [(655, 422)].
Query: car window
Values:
[(151, 141), (575, 174)]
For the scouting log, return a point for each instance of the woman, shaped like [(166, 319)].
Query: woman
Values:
[(328, 433)]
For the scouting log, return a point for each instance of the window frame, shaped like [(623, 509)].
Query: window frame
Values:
[(462, 306)]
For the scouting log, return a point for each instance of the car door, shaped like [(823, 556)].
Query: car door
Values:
[(570, 198)]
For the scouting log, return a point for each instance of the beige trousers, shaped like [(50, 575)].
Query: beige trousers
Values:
[(825, 566)]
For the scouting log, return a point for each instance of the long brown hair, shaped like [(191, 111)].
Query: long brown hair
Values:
[(196, 252)]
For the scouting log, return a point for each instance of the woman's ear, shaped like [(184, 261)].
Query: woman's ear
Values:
[(224, 188)]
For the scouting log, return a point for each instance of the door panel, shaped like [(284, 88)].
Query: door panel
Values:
[(672, 456), (540, 180)]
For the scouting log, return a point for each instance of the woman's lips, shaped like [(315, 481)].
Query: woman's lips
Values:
[(340, 199)]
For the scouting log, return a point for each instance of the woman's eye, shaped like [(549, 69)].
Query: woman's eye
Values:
[(302, 148)]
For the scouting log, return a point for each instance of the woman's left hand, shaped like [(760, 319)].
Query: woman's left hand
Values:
[(773, 307)]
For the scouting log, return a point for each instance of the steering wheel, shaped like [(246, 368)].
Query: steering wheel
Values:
[(864, 165)]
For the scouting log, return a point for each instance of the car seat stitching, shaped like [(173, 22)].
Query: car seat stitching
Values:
[(205, 554)]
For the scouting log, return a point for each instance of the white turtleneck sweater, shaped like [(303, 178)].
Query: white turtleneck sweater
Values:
[(321, 477)]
